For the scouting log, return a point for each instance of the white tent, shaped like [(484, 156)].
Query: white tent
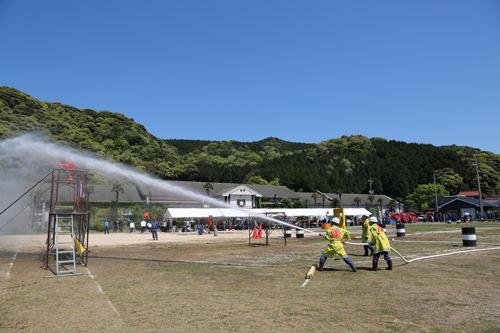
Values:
[(356, 212), (236, 212)]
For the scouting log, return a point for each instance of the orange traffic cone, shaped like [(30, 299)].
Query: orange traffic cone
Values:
[(255, 233), (260, 231)]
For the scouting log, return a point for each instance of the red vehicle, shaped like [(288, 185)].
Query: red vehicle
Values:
[(429, 216), (404, 217)]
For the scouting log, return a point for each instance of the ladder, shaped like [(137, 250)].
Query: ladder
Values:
[(65, 236)]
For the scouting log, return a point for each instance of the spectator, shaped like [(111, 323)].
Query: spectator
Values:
[(154, 229)]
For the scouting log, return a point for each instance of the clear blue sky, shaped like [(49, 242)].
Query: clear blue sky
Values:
[(304, 71)]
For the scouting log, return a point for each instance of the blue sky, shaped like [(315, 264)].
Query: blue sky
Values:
[(303, 71)]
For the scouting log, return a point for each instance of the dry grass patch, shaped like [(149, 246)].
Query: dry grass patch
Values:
[(229, 286)]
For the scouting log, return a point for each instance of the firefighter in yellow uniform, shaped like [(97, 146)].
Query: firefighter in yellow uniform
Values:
[(364, 236), (380, 242), (335, 249)]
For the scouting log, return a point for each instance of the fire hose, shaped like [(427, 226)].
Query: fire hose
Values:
[(434, 256)]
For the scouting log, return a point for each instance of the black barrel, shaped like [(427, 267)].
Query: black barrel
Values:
[(288, 231), (469, 236), (299, 233), (400, 230)]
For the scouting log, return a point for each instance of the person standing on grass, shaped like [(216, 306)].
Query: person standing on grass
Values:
[(106, 227), (154, 229), (143, 226), (380, 242), (174, 225), (120, 225), (364, 236), (115, 226), (335, 249), (132, 226)]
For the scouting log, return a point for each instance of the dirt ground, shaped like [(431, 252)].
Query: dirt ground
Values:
[(186, 282)]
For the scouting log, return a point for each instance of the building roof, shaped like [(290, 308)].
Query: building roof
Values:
[(472, 201), (347, 199), (181, 190), (245, 213), (495, 202), (469, 193)]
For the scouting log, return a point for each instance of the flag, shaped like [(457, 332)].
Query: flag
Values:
[(69, 166), (145, 214)]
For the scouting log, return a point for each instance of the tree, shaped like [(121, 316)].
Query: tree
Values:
[(157, 212), (339, 193), (424, 193), (324, 197), (371, 198), (208, 187), (357, 200), (257, 180), (335, 202), (306, 202), (315, 196), (380, 201), (392, 205), (90, 190), (285, 202), (400, 200), (449, 179), (275, 182), (117, 188)]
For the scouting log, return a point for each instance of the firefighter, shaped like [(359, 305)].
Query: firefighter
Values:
[(364, 236), (335, 249), (378, 238)]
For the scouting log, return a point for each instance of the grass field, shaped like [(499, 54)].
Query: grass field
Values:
[(225, 285)]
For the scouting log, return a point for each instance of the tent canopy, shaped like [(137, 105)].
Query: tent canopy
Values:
[(235, 212)]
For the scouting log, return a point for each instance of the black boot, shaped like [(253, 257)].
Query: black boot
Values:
[(389, 263), (321, 264), (353, 267), (371, 251), (375, 264), (366, 253)]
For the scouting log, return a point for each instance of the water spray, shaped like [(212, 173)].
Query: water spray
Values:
[(40, 149)]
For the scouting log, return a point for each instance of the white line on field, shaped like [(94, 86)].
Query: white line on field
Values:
[(11, 264), (102, 292)]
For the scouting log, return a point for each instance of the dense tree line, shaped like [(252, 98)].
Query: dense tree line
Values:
[(337, 165)]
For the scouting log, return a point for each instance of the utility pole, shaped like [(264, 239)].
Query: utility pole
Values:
[(479, 188), (370, 181)]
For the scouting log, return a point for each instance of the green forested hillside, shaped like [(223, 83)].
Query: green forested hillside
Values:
[(337, 165)]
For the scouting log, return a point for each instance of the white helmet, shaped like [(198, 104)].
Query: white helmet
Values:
[(372, 219), (335, 220)]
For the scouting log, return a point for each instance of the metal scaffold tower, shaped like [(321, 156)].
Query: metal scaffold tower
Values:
[(67, 231)]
